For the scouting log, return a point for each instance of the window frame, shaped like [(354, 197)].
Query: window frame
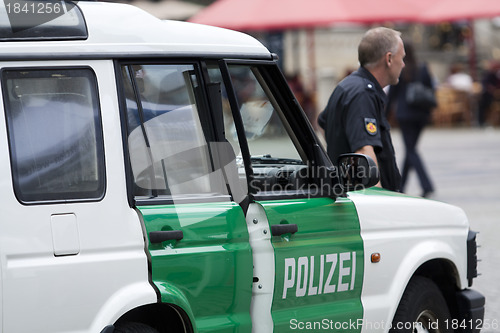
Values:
[(303, 135), (100, 192)]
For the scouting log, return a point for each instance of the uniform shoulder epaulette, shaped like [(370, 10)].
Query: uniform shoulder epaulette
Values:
[(369, 85)]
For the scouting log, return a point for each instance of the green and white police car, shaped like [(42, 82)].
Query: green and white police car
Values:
[(160, 176)]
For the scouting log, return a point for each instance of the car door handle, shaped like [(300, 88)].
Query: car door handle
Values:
[(281, 229), (162, 236)]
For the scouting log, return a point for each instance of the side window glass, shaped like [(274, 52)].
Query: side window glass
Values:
[(261, 115), (167, 141), (277, 161), (55, 134)]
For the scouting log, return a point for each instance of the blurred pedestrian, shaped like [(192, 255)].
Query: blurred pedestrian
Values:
[(459, 79), (412, 119), (462, 88), (354, 119), (490, 90)]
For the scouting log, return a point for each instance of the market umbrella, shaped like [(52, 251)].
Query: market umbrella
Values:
[(248, 15)]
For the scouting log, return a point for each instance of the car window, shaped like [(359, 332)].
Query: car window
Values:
[(167, 140), (55, 134), (265, 128), (276, 159)]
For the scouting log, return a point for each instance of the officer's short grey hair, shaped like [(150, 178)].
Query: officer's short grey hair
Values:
[(376, 43)]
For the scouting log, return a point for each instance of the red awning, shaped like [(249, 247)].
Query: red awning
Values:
[(289, 14)]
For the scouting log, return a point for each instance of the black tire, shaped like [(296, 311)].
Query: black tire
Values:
[(422, 309), (132, 327)]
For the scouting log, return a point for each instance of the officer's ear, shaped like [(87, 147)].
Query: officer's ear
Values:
[(388, 58)]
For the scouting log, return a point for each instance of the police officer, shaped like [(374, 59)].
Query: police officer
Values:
[(354, 119)]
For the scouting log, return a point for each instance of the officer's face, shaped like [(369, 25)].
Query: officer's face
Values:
[(396, 63)]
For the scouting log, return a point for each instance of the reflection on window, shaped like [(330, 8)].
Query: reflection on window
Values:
[(55, 134), (264, 129), (276, 163), (167, 145)]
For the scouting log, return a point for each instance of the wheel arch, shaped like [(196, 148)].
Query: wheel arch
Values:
[(170, 313), (445, 275), (141, 303), (422, 304), (161, 316)]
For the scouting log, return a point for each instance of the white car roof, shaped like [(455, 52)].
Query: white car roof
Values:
[(121, 30)]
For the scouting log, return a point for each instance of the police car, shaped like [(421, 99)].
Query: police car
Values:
[(160, 176)]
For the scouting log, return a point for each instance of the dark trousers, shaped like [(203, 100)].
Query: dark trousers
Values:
[(411, 131), (484, 105)]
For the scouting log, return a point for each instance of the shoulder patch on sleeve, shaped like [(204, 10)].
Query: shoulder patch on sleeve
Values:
[(371, 126)]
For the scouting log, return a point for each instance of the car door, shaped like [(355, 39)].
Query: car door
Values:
[(315, 235), (69, 242), (200, 257)]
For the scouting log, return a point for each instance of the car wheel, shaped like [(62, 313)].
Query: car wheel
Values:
[(422, 309)]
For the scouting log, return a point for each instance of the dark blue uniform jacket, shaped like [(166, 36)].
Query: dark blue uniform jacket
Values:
[(355, 117)]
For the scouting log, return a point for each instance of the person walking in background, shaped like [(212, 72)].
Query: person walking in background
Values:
[(459, 79), (491, 87), (354, 118), (412, 119)]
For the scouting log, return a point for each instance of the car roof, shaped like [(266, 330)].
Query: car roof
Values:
[(122, 30)]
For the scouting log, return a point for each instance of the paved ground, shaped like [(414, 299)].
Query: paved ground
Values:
[(465, 167)]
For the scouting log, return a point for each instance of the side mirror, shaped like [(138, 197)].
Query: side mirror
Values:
[(357, 172)]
